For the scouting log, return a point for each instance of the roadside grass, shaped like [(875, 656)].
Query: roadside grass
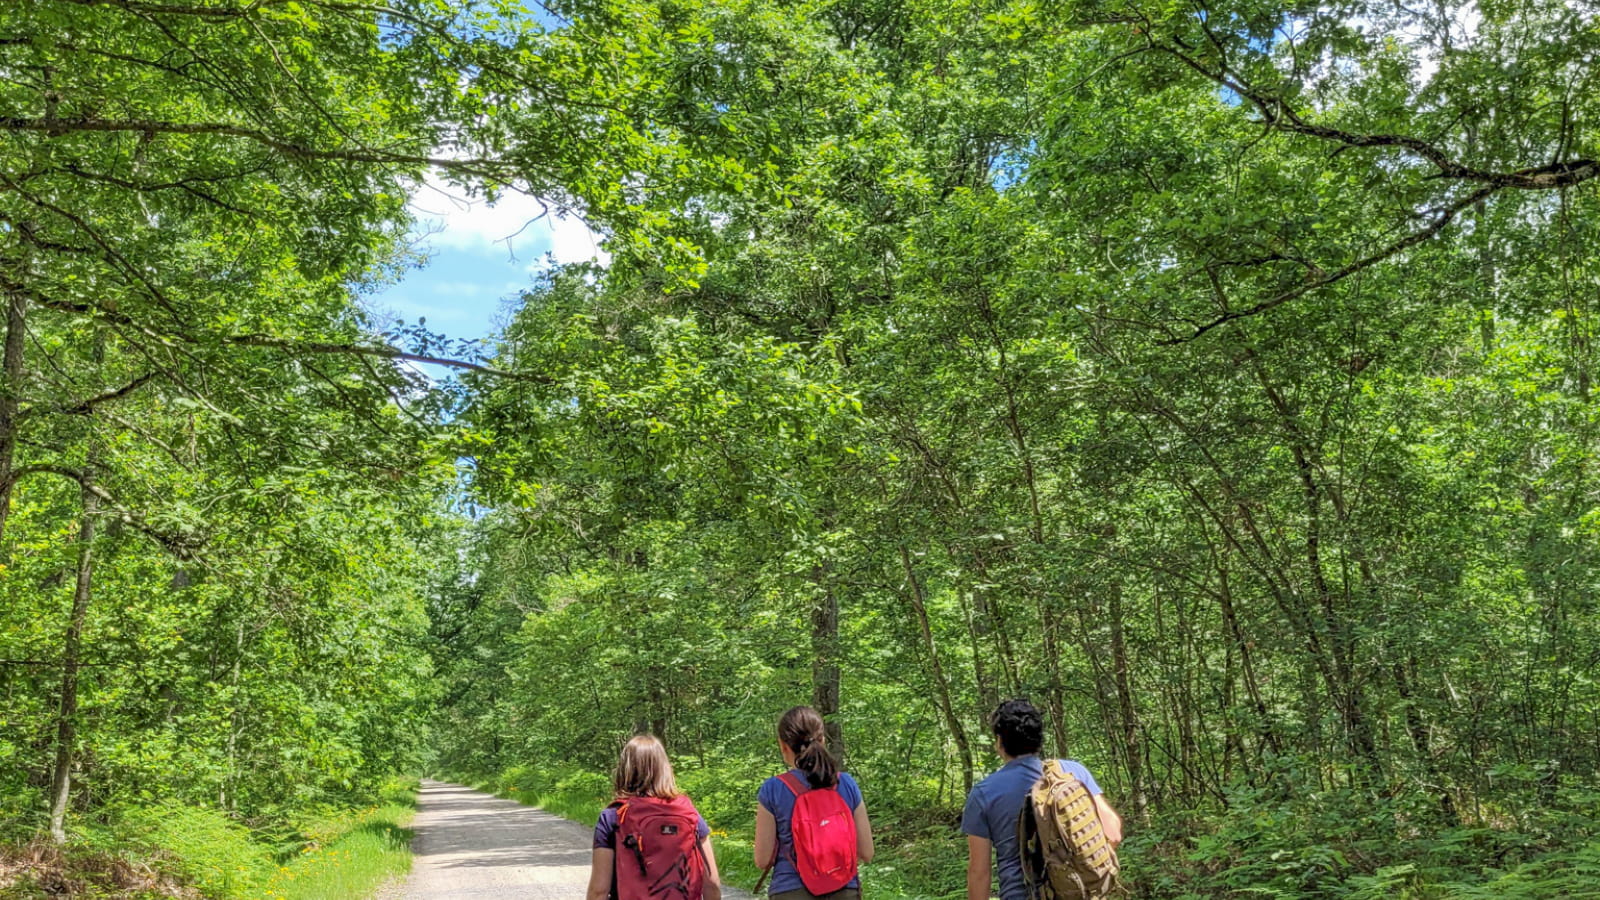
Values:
[(175, 851), (349, 856)]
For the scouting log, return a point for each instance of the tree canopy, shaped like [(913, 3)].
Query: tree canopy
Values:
[(1219, 375)]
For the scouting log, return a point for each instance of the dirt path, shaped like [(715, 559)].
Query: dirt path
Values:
[(472, 846)]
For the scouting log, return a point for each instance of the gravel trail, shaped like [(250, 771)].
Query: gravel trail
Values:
[(473, 846)]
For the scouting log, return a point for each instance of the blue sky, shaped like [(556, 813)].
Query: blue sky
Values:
[(478, 256)]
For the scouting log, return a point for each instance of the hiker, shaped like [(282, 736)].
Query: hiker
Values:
[(811, 823), (651, 843), (990, 817)]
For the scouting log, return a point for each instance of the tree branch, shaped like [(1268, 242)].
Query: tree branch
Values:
[(182, 546), (290, 346), (1439, 223), (1276, 114), (296, 149), (88, 404), (382, 352)]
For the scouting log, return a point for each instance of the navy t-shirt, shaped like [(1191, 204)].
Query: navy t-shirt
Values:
[(605, 830), (992, 809), (776, 798)]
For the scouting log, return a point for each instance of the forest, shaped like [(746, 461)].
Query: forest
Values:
[(1215, 373)]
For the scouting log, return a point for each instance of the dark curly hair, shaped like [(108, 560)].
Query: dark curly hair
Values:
[(1019, 727)]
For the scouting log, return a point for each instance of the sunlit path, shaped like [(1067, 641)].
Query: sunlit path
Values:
[(472, 845)]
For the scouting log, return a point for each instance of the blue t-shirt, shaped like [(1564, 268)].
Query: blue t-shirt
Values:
[(992, 809), (605, 830), (776, 798)]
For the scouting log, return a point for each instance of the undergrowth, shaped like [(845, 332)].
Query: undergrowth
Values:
[(190, 853), (1326, 846)]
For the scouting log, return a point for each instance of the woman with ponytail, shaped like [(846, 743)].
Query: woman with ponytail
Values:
[(811, 822)]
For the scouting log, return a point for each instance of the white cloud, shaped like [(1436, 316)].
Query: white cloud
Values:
[(516, 225)]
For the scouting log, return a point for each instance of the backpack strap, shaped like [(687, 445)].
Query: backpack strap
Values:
[(796, 787)]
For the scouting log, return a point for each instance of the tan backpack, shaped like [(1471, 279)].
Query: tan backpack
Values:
[(1064, 849)]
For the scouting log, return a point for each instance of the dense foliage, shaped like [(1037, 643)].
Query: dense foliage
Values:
[(1217, 374), (222, 485)]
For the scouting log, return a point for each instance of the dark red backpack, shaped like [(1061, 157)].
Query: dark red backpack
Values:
[(658, 854), (824, 835)]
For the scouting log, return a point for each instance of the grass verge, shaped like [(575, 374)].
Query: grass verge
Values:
[(348, 857), (175, 852)]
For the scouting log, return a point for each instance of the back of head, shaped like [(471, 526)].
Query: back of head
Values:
[(1019, 727), (801, 729), (643, 770)]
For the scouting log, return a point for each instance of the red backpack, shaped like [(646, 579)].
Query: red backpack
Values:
[(824, 836), (658, 854)]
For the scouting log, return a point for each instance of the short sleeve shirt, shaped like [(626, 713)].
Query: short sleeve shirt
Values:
[(605, 830), (992, 809), (776, 798)]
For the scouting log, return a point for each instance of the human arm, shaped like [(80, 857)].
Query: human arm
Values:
[(864, 847), (978, 871), (975, 825), (766, 849), (600, 874), (1109, 820), (713, 889)]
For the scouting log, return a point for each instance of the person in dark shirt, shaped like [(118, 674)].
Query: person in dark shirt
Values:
[(989, 819), (643, 770)]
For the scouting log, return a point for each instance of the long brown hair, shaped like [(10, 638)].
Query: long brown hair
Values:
[(643, 770), (801, 730)]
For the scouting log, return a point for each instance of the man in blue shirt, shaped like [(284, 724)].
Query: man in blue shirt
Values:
[(990, 818)]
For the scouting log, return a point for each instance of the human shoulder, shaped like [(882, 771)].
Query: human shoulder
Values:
[(1075, 768), (769, 793), (1081, 772), (605, 829), (850, 789)]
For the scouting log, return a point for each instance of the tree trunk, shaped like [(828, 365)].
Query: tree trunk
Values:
[(225, 793), (941, 684), (1055, 687), (71, 655), (1265, 730), (825, 657), (10, 388), (1422, 743), (977, 629), (1128, 714), (1325, 618)]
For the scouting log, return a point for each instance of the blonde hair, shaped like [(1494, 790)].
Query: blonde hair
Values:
[(644, 770)]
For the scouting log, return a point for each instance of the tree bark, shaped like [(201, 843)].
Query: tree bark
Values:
[(10, 388), (941, 684), (1128, 714), (825, 657), (71, 656), (977, 630)]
